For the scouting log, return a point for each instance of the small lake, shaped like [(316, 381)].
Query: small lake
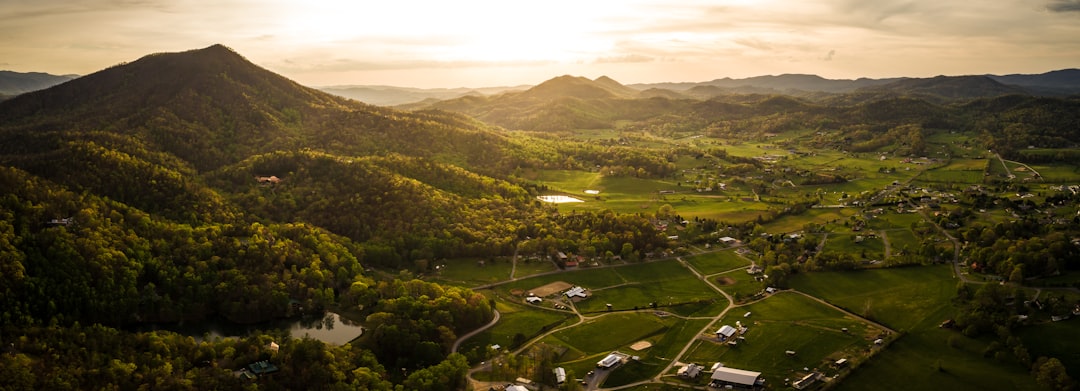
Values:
[(331, 328)]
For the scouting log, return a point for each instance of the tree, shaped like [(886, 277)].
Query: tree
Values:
[(1051, 373)]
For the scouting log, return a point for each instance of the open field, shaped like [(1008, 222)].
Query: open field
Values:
[(820, 216), (787, 321), (515, 319), (868, 248), (716, 262), (913, 300), (471, 272)]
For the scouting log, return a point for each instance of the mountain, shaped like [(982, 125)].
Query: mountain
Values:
[(945, 88), (182, 185), (1064, 81), (15, 83), (394, 96), (786, 83), (567, 86), (211, 107)]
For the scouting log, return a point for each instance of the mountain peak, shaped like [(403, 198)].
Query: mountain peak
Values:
[(579, 87)]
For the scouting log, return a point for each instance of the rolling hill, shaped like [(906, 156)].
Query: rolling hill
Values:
[(15, 83)]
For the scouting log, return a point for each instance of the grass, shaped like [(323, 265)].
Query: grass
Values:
[(515, 319), (716, 262), (821, 216), (743, 287), (612, 332), (782, 322), (663, 282), (468, 272), (868, 248), (913, 300)]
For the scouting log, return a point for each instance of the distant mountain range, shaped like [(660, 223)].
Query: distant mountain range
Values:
[(1055, 83), (15, 83)]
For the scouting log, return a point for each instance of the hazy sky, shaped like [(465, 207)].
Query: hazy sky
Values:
[(456, 43)]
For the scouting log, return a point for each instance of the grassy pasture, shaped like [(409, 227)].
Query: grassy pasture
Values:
[(782, 322), (528, 268), (913, 300), (716, 262), (868, 248), (743, 287), (900, 239), (615, 331), (1058, 173), (1055, 339), (664, 283), (587, 278), (514, 319), (468, 272), (899, 298), (791, 223)]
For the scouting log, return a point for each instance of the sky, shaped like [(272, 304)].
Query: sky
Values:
[(480, 43)]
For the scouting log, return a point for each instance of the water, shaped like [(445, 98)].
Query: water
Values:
[(330, 328)]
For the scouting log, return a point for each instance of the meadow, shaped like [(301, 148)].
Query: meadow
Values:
[(787, 321), (914, 301)]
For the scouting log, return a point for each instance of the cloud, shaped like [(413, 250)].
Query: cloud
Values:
[(1064, 6), (627, 58)]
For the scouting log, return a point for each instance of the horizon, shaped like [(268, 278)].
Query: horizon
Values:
[(478, 44)]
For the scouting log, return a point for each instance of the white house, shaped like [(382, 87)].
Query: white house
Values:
[(560, 375)]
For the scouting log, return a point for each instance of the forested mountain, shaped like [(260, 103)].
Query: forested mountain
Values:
[(1060, 82), (393, 96), (15, 83), (189, 185)]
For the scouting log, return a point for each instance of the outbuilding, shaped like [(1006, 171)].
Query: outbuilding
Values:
[(724, 376)]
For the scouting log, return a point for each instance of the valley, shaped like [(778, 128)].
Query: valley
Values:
[(909, 234)]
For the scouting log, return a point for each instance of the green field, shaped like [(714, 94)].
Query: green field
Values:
[(820, 216), (868, 248), (515, 319), (471, 272), (716, 262), (914, 301), (787, 321)]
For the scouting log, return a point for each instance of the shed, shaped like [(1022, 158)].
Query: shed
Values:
[(737, 377), (560, 375), (725, 332)]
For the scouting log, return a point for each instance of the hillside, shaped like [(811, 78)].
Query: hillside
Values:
[(15, 83)]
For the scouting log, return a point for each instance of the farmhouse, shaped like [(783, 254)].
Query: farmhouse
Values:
[(729, 240), (533, 300), (576, 291), (690, 371), (724, 376), (725, 332)]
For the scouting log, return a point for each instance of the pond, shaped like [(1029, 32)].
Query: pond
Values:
[(331, 328)]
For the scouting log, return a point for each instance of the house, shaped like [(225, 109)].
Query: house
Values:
[(729, 240), (533, 300), (770, 290), (576, 291), (841, 363), (807, 380), (725, 332), (262, 368), (274, 347), (724, 376), (515, 387), (690, 371), (560, 375)]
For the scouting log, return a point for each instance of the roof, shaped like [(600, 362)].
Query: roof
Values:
[(515, 387), (610, 360), (575, 291), (726, 331), (560, 375), (737, 376), (691, 371)]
